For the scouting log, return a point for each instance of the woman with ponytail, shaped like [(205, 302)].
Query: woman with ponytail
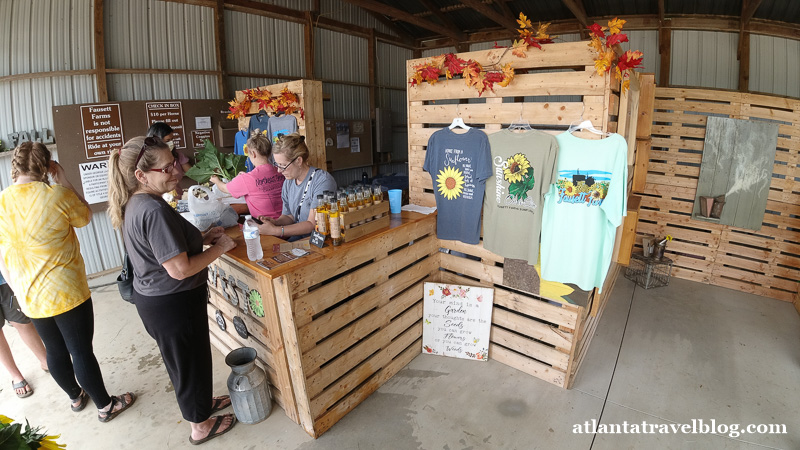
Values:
[(40, 258), (169, 276)]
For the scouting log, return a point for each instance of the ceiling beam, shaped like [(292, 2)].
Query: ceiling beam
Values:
[(505, 9), (381, 8), (394, 27), (491, 14), (449, 24), (749, 8), (577, 9)]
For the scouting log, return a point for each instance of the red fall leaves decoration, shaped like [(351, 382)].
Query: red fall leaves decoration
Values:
[(476, 75), (285, 102), (607, 59)]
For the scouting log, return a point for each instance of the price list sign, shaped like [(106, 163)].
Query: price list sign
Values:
[(102, 129), (457, 320), (171, 113)]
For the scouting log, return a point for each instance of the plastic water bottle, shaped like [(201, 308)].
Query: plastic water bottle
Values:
[(253, 239)]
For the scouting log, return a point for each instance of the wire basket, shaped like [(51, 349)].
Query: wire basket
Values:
[(649, 272)]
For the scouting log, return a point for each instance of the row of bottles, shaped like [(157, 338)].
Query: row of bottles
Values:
[(330, 205)]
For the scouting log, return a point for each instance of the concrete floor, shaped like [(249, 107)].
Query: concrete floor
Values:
[(665, 356)]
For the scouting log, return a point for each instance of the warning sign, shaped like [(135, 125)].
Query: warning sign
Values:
[(199, 138), (94, 178), (102, 129), (171, 113)]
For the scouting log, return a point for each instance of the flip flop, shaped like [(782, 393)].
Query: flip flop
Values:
[(213, 432), (22, 385), (107, 416), (219, 403), (83, 399)]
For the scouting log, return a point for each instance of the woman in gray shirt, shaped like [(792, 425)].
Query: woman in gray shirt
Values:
[(303, 183), (170, 273)]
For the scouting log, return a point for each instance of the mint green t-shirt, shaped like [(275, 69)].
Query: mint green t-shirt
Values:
[(583, 209), (524, 166)]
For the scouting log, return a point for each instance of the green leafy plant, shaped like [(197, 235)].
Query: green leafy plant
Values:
[(211, 161), (14, 436)]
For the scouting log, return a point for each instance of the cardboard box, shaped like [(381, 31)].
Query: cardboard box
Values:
[(348, 143)]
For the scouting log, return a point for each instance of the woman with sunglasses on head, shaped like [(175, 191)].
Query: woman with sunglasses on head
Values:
[(170, 276), (303, 184), (260, 187), (167, 134), (40, 258)]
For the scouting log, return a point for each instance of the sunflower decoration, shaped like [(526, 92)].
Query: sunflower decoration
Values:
[(450, 182), (516, 168), (570, 189), (14, 435), (597, 195)]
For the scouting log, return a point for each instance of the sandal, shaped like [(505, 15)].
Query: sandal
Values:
[(214, 432), (220, 403), (82, 400), (22, 385), (107, 416)]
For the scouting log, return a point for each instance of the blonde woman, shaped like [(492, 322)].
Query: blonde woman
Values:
[(169, 276), (41, 261), (303, 183)]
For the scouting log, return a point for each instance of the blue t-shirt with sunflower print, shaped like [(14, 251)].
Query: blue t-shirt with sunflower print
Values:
[(583, 210), (459, 164)]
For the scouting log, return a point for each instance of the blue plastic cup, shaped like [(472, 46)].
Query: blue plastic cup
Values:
[(395, 200)]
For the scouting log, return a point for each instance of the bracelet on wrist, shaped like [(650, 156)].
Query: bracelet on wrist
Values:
[(282, 231)]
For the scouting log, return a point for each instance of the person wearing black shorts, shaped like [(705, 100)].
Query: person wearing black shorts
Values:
[(9, 311)]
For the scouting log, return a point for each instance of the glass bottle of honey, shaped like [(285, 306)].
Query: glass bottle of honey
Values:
[(322, 215), (335, 225)]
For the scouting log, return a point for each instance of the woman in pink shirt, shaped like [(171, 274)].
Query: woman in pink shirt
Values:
[(261, 187)]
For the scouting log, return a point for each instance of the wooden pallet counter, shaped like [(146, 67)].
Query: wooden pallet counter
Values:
[(545, 336), (337, 323)]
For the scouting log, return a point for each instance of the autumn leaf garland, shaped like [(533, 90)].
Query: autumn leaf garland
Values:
[(285, 102), (473, 73), (606, 59)]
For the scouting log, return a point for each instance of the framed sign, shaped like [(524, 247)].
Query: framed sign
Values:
[(171, 113), (457, 320), (199, 138), (102, 129)]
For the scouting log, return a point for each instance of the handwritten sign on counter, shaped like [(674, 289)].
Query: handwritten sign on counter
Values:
[(457, 320)]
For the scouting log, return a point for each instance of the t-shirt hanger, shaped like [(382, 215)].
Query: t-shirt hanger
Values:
[(458, 121)]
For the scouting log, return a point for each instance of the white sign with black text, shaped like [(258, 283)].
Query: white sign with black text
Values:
[(457, 320), (94, 178)]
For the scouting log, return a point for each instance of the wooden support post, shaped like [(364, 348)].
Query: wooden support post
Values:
[(100, 53), (308, 35), (744, 61), (222, 61), (371, 74), (665, 50)]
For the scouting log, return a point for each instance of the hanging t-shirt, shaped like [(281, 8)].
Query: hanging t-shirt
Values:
[(524, 167), (259, 123), (261, 189), (240, 148), (583, 209), (459, 165), (280, 126)]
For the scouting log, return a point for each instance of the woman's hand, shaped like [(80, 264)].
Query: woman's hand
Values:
[(210, 237), (56, 172), (215, 179), (268, 219), (225, 243), (269, 228)]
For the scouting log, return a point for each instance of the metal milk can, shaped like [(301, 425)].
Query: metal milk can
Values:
[(248, 386)]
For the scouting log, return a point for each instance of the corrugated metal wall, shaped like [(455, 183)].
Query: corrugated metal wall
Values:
[(151, 34), (645, 41), (704, 59), (774, 65), (349, 13)]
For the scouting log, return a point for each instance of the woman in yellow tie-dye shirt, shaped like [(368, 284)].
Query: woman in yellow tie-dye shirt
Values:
[(41, 259)]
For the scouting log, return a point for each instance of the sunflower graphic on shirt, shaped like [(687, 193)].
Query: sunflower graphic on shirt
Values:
[(450, 182)]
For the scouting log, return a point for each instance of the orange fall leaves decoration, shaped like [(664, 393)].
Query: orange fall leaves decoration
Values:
[(285, 102), (606, 59), (473, 73)]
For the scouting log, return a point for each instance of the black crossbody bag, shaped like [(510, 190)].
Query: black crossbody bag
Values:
[(125, 280)]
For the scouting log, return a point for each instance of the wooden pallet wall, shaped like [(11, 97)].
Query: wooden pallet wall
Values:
[(543, 337), (766, 262)]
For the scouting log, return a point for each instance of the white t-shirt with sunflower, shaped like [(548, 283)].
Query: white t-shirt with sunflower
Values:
[(583, 210), (459, 164), (524, 167)]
